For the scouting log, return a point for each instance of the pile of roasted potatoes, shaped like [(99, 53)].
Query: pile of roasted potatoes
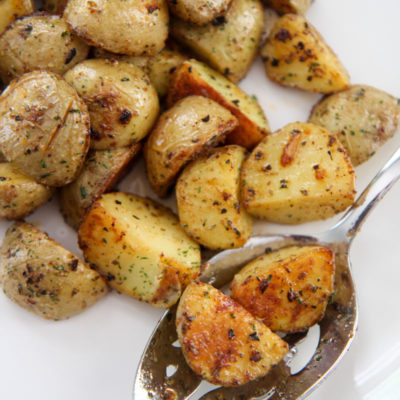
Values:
[(87, 86)]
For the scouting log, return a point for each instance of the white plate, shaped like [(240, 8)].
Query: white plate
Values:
[(94, 355)]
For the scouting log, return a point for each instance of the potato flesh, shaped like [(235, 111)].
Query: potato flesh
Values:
[(300, 173), (10, 10), (185, 131), (44, 278), (140, 247), (221, 341), (230, 43), (208, 196), (296, 55), (289, 6), (195, 78), (362, 117), (287, 289)]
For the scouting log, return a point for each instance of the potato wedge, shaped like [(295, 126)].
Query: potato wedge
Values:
[(208, 197), (228, 44), (289, 6), (44, 278), (300, 173), (195, 78), (362, 117), (102, 171), (142, 25), (221, 341), (123, 104), (10, 10), (296, 55), (287, 289), (44, 128), (140, 247), (54, 6), (37, 42), (19, 194), (185, 131)]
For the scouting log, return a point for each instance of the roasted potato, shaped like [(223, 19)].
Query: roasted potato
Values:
[(185, 131), (195, 78), (123, 105), (19, 194), (287, 289), (296, 55), (142, 26), (44, 128), (300, 173), (199, 12), (54, 6), (101, 172), (10, 10), (44, 278), (37, 42), (228, 44), (289, 6), (221, 341), (140, 247), (362, 117), (208, 196)]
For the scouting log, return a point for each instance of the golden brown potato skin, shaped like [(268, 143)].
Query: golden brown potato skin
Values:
[(296, 55), (289, 6), (362, 117), (101, 172), (44, 278), (39, 42), (123, 104), (188, 129), (208, 197), (195, 78), (287, 289), (44, 128), (133, 27), (228, 44), (221, 341), (10, 10), (19, 194), (300, 173), (54, 6)]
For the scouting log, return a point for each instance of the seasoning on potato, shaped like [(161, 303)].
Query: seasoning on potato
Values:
[(229, 43), (44, 278), (196, 78), (289, 6), (134, 27), (139, 246), (188, 129), (44, 128), (10, 10), (123, 104), (298, 174), (296, 55), (37, 42), (287, 289), (362, 117), (221, 341), (208, 197)]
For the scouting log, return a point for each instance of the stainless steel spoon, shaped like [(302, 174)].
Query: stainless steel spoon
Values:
[(153, 381)]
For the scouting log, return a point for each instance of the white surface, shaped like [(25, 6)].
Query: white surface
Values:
[(94, 355)]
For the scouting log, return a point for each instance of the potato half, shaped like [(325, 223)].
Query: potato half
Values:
[(287, 289), (19, 194), (221, 341), (289, 6), (44, 128), (133, 27), (185, 131), (44, 278), (208, 196), (195, 78), (140, 247), (296, 55), (362, 117), (123, 104), (10, 10), (300, 173), (37, 42), (101, 172)]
